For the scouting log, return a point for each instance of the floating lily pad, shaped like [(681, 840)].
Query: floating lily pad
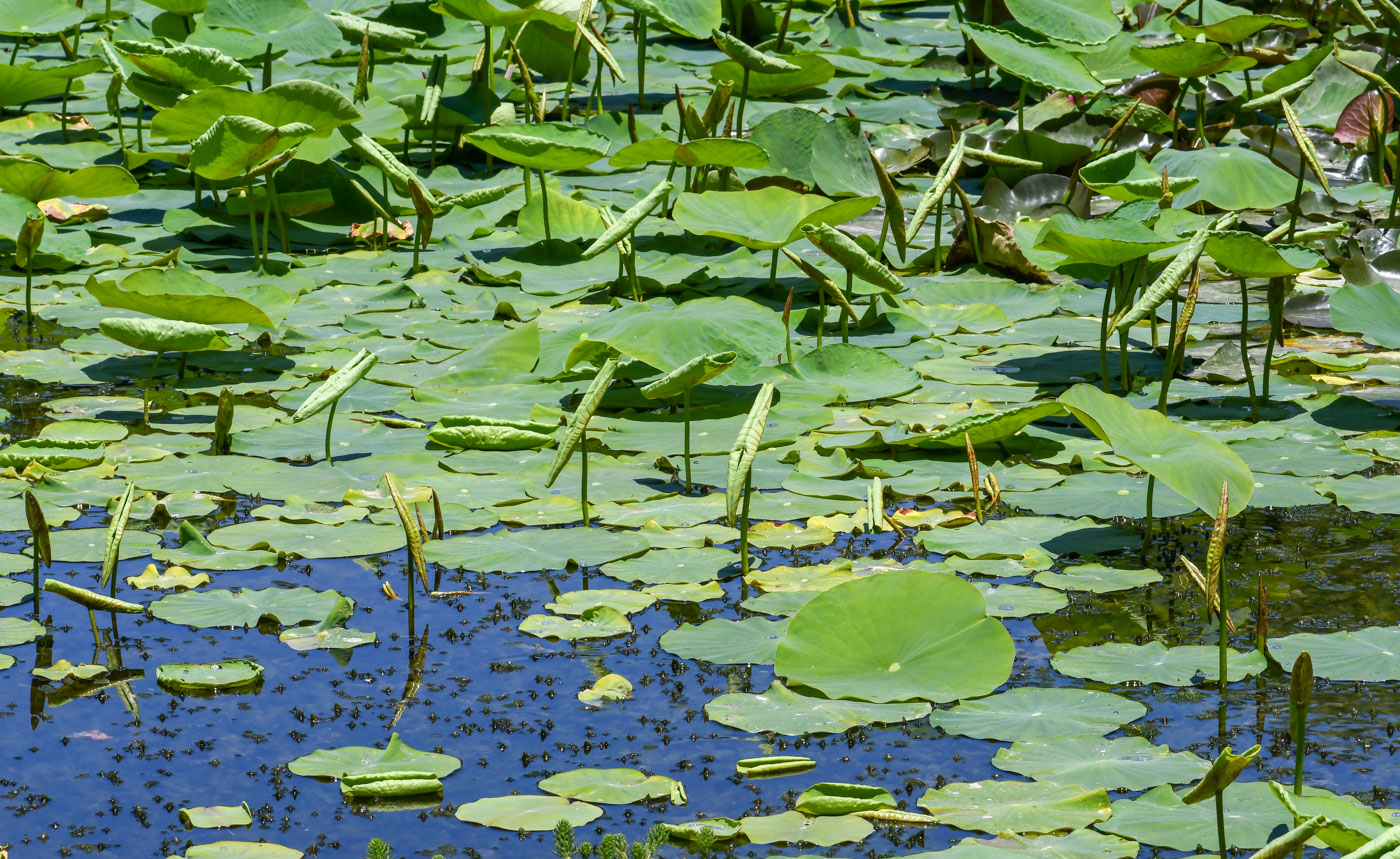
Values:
[(15, 631), (609, 687), (527, 812), (63, 671), (608, 786), (782, 711), (1037, 714), (1253, 815), (1368, 655), (602, 621), (1129, 763), (1096, 578), (397, 756), (216, 816), (751, 641), (535, 549), (1016, 806), (245, 607), (1154, 662), (209, 677), (794, 827)]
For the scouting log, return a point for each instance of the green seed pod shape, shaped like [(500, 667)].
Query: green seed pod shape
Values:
[(392, 787), (578, 421), (396, 775), (485, 421), (112, 547), (774, 765), (488, 438), (1171, 276), (90, 599), (751, 59), (335, 387), (745, 449), (163, 335), (852, 256), (942, 181), (696, 371), (629, 219)]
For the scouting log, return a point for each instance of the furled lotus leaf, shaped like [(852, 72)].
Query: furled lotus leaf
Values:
[(723, 828), (1223, 771), (56, 453), (163, 335), (696, 371), (827, 798), (773, 765), (543, 146), (90, 599), (488, 438), (209, 677), (336, 385)]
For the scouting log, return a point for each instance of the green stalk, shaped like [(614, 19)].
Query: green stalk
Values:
[(1244, 350), (641, 62), (583, 476), (1103, 331), (544, 205), (146, 393), (330, 419), (821, 315), (252, 223), (1297, 196), (1201, 116), (845, 323), (277, 212), (140, 109), (28, 289), (526, 171), (773, 270), (685, 404), (938, 237), (36, 584), (744, 527), (1276, 289), (743, 99)]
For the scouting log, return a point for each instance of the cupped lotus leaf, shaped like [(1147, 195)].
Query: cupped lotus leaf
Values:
[(1367, 655), (829, 798), (209, 677), (330, 633), (216, 816), (779, 710), (531, 813), (63, 671), (173, 293), (602, 621), (693, 18), (702, 151), (236, 145), (1247, 255), (578, 602), (764, 219), (39, 17), (719, 641), (245, 607), (1016, 806), (488, 438), (1104, 241), (543, 146), (189, 67), (852, 257), (1079, 844), (1372, 311), (56, 453), (534, 549), (381, 35), (667, 336), (285, 103), (1350, 825), (488, 421), (23, 84), (1038, 714), (1253, 816), (609, 687), (848, 372), (677, 566), (812, 70), (1235, 28), (794, 827), (1096, 578), (1182, 59), (1083, 22), (618, 786), (241, 850), (1043, 64), (1191, 464), (286, 24), (512, 13), (35, 181), (353, 761), (1231, 178), (902, 653), (696, 371), (981, 428), (163, 335), (723, 828), (1128, 763), (1126, 176), (173, 579), (196, 551), (1154, 662), (14, 631), (1222, 773)]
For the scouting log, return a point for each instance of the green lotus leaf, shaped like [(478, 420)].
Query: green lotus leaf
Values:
[(177, 294), (91, 599), (847, 372), (336, 385), (1182, 59), (608, 786), (779, 710), (163, 335), (23, 84), (173, 579), (39, 18), (245, 607), (702, 151), (197, 552), (15, 631), (693, 18), (764, 219), (1350, 825), (235, 145), (852, 257), (241, 850), (488, 438), (56, 453), (1371, 311), (667, 336), (1128, 763), (381, 35), (982, 428), (285, 24), (88, 545), (577, 602), (217, 816), (1106, 241), (1038, 714), (1159, 818), (723, 828), (1235, 28), (1125, 175), (602, 621), (1020, 600), (609, 687), (14, 592), (353, 761), (527, 812), (285, 103), (840, 160), (773, 765), (1040, 63), (751, 641), (1016, 806), (329, 634), (902, 654), (751, 59), (1096, 578), (696, 371), (794, 827), (63, 671), (1079, 844), (1037, 535), (831, 798), (310, 540), (189, 67), (210, 677), (1154, 662), (35, 181), (544, 146), (511, 13), (1083, 22), (677, 566), (1191, 464), (811, 71), (1247, 255), (1231, 178), (528, 550), (1365, 655)]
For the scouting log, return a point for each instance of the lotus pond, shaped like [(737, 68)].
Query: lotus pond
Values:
[(706, 428)]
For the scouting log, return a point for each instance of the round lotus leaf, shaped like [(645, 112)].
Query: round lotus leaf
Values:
[(241, 850), (1017, 806), (1253, 816), (310, 540), (542, 146), (846, 372), (1079, 844), (1367, 655), (14, 591), (794, 827), (535, 549), (1128, 763), (14, 631), (764, 219), (609, 687), (812, 71), (208, 677), (217, 816), (1083, 22), (779, 710), (163, 335), (1020, 600), (527, 812), (676, 566), (901, 653), (578, 602), (1231, 178), (396, 757), (602, 621), (1096, 578), (751, 641), (608, 786), (1015, 537), (1035, 714), (245, 607), (1154, 662)]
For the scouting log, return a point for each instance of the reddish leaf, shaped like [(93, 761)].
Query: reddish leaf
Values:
[(1361, 116)]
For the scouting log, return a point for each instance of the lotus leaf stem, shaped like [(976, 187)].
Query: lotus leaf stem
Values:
[(28, 290), (1244, 350), (743, 99), (641, 62), (583, 477), (845, 323), (685, 406), (146, 392), (544, 205), (773, 270), (330, 421), (277, 213), (744, 527)]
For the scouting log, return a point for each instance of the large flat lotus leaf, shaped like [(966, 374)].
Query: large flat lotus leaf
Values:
[(794, 827), (1016, 806), (1020, 600), (241, 850), (16, 631), (1096, 578), (397, 756), (1037, 714), (178, 294), (599, 622), (35, 181), (867, 639), (85, 545), (1079, 844), (1253, 815), (14, 592), (542, 146), (1371, 311), (1192, 464), (1040, 63), (1083, 22), (751, 641), (846, 372), (666, 335), (1154, 662), (763, 219), (1125, 175), (1378, 494), (197, 552), (577, 602), (781, 711), (188, 67), (1302, 457), (1105, 241), (535, 549), (245, 607), (527, 812), (672, 511), (1232, 178), (1012, 538), (1100, 495), (23, 84), (813, 70), (1367, 655), (1130, 763), (229, 674), (286, 102), (41, 18), (676, 566), (608, 786), (310, 540), (694, 18)]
